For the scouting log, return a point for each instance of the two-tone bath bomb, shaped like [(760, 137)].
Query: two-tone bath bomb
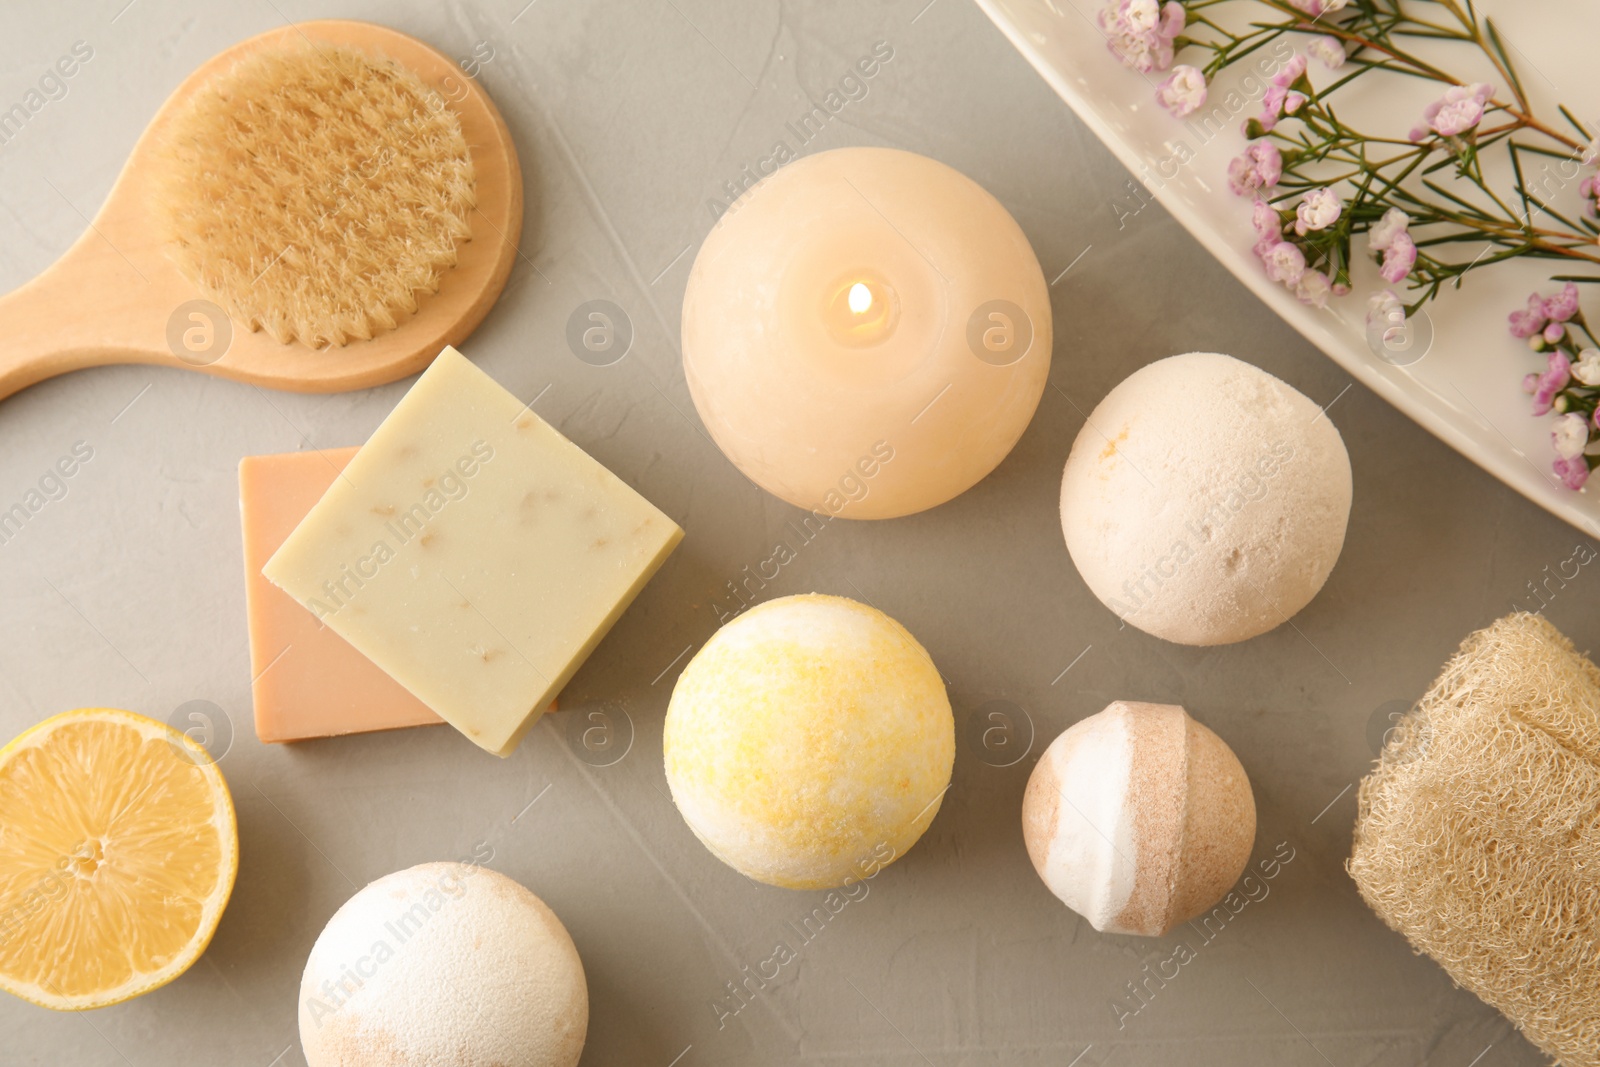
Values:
[(1205, 501), (1139, 818), (443, 963), (809, 743)]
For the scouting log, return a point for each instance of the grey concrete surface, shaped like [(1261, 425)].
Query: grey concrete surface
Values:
[(631, 115)]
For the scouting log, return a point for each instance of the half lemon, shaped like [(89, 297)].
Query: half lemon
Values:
[(118, 849)]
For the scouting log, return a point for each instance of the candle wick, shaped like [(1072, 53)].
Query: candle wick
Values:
[(860, 298)]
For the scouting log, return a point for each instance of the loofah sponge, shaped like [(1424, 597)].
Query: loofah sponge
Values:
[(314, 193), (1478, 835)]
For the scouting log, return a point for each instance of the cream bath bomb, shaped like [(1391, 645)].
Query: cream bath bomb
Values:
[(1139, 818), (1205, 501), (809, 743), (443, 963)]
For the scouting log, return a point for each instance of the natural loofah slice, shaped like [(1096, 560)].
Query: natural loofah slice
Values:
[(315, 192), (1478, 835)]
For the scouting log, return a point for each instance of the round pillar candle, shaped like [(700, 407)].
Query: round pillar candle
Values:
[(866, 333)]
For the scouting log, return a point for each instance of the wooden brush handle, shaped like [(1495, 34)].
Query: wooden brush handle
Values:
[(90, 308)]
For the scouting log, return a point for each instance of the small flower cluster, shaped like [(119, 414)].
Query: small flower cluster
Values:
[(1141, 33), (1184, 91), (1390, 238), (1286, 94), (1260, 168), (1545, 317), (1315, 183), (1569, 385), (1285, 259), (1455, 113), (1317, 238)]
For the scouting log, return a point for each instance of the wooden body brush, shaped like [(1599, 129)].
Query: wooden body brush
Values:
[(342, 192)]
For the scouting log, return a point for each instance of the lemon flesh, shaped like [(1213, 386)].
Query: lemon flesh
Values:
[(118, 849)]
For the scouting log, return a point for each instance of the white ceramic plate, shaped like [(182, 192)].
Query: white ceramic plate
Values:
[(1466, 388)]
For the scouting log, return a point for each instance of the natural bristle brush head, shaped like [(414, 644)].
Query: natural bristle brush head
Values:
[(316, 192), (322, 207)]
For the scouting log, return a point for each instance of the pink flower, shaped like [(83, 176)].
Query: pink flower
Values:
[(1457, 111), (1572, 472), (1259, 168), (1278, 102), (1327, 50), (1284, 262), (1589, 190), (1268, 226), (1587, 368), (1268, 117), (1313, 288), (1528, 321), (1319, 210), (1140, 32), (1530, 385), (1280, 99), (1398, 258), (1384, 231), (1563, 305), (1318, 8), (1184, 92), (1570, 435), (1555, 378), (1291, 71), (1543, 316)]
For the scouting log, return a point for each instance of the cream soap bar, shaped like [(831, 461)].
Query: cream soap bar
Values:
[(473, 553)]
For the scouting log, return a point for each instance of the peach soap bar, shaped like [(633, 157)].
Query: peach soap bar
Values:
[(308, 681), (473, 553)]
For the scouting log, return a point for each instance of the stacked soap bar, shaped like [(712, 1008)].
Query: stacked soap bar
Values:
[(307, 681), (473, 553)]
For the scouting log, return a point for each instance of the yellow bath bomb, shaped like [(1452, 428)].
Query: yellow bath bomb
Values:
[(809, 743)]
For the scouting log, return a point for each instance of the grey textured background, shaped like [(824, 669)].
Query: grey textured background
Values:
[(630, 115)]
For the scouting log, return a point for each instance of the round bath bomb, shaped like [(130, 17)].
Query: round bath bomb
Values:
[(809, 743), (443, 963), (1139, 818), (1205, 501)]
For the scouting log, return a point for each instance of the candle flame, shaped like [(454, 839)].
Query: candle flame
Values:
[(860, 298)]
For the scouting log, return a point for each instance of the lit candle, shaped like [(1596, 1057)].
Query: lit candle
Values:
[(866, 333)]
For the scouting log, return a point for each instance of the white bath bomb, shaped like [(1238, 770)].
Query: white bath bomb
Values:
[(1205, 501), (809, 743), (1139, 818), (443, 963)]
